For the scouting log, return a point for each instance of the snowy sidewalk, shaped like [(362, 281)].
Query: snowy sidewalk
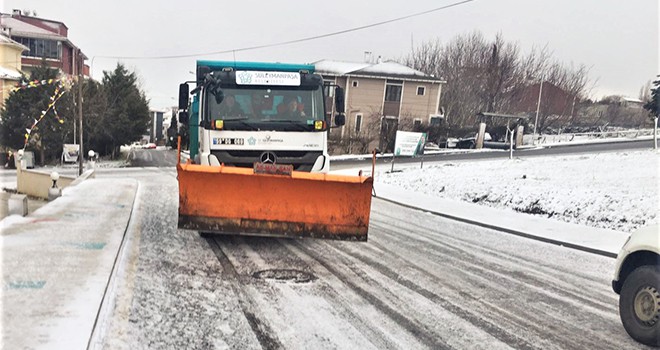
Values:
[(594, 240), (56, 264)]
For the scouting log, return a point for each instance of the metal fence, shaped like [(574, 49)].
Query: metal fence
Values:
[(585, 136)]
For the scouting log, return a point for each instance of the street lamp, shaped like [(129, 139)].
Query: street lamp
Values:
[(54, 191)]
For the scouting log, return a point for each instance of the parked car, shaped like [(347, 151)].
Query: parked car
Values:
[(637, 281), (431, 146), (470, 141), (150, 145)]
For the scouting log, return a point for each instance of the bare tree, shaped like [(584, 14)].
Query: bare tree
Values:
[(354, 141), (494, 76)]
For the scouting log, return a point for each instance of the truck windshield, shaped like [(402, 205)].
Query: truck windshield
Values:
[(282, 108)]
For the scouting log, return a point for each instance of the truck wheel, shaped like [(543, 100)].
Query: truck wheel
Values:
[(639, 305)]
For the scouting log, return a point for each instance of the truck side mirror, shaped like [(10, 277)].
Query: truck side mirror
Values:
[(183, 96), (339, 99), (340, 120), (183, 117)]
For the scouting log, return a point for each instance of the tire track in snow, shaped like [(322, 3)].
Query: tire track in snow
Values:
[(341, 301), (420, 331), (261, 329), (489, 327), (435, 253), (253, 254), (533, 275)]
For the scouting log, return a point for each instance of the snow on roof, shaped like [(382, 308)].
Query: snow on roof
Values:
[(632, 99), (337, 67), (9, 74), (20, 28), (391, 68), (388, 69), (7, 40)]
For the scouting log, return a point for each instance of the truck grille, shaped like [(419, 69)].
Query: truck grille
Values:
[(301, 160)]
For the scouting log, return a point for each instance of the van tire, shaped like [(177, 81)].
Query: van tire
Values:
[(639, 305)]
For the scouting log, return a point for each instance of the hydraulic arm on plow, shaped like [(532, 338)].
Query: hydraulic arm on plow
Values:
[(258, 160)]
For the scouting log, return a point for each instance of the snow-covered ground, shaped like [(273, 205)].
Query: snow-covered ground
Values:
[(617, 191)]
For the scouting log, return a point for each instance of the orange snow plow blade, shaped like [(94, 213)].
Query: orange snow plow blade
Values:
[(238, 201)]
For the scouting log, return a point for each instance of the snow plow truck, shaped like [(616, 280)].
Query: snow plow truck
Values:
[(258, 161)]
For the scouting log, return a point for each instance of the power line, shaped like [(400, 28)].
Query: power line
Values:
[(290, 41)]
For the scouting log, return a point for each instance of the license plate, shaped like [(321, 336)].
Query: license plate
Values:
[(273, 169)]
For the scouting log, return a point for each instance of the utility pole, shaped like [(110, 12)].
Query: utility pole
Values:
[(80, 113), (655, 132), (538, 108)]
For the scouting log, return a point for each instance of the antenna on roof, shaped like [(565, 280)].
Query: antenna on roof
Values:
[(412, 50)]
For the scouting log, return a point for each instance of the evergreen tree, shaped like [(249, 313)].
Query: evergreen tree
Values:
[(653, 106), (24, 106), (96, 134), (126, 116)]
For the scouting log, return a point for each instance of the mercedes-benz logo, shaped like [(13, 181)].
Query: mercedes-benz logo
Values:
[(268, 157)]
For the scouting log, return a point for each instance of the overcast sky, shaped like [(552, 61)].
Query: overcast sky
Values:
[(617, 39)]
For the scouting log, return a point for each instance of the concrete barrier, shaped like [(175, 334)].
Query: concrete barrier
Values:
[(35, 183)]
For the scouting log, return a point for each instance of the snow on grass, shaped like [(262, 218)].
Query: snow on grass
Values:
[(617, 191)]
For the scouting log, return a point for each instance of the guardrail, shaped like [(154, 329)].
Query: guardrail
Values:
[(584, 136)]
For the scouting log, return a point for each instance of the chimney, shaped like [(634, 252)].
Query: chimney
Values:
[(367, 57), (16, 12)]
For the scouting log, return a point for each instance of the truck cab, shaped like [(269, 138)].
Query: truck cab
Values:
[(248, 112)]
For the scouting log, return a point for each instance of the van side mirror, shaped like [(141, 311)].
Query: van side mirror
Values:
[(183, 96), (183, 117), (339, 100), (340, 120)]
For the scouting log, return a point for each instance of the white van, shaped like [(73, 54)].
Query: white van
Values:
[(637, 281)]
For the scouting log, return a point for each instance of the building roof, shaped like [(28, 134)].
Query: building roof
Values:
[(632, 100), (389, 69), (20, 28), (338, 67), (9, 74), (5, 40), (23, 29)]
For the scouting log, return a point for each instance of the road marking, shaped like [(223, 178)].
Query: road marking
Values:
[(26, 284)]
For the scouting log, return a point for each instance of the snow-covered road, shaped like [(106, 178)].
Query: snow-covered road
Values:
[(420, 282)]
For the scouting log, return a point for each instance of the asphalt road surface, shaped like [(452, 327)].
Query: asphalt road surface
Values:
[(421, 281)]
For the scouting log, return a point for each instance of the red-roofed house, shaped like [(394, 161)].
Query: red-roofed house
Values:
[(45, 39)]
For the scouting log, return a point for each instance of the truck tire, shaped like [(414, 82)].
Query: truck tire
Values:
[(639, 305)]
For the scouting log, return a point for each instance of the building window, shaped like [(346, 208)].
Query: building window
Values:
[(421, 90), (393, 93), (329, 89), (358, 123), (41, 47), (435, 119), (355, 83)]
